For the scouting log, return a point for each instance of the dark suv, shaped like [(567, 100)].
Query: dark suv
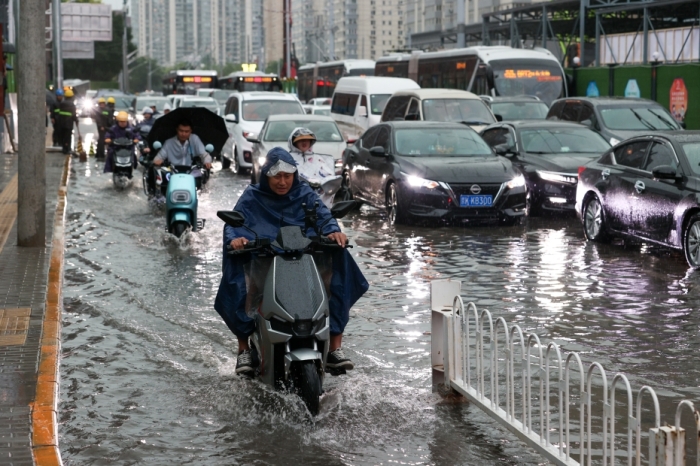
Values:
[(615, 118)]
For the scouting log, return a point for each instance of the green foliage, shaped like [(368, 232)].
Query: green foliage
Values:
[(275, 66), (108, 56), (138, 76)]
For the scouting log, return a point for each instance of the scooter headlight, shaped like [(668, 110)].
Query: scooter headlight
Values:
[(180, 197)]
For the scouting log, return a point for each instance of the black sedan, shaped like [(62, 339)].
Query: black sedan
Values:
[(423, 170), (648, 188), (548, 153)]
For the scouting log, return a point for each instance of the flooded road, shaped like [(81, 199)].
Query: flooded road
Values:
[(147, 374)]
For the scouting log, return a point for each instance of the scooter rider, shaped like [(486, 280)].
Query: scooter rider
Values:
[(120, 130), (275, 202), (147, 121), (311, 166)]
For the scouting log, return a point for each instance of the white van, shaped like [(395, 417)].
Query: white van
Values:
[(358, 102)]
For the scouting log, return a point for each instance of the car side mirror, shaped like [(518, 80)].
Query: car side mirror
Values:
[(377, 151), (231, 217), (209, 148), (498, 117), (665, 172), (362, 111), (253, 140), (341, 209), (504, 149), (231, 118)]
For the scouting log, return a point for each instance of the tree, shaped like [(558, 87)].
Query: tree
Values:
[(138, 76), (108, 56), (274, 66)]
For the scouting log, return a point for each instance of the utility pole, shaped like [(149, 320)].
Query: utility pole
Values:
[(288, 35), (57, 49), (31, 192), (460, 23), (125, 50)]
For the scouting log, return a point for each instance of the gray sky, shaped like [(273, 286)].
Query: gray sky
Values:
[(116, 4)]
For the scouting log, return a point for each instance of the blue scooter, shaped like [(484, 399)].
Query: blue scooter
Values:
[(181, 196)]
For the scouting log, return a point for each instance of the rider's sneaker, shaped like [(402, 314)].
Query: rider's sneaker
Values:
[(337, 360), (244, 363)]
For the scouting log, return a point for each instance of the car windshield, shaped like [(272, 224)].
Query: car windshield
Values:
[(535, 110), (638, 118), (325, 131), (468, 110), (562, 140), (159, 102), (692, 152), (442, 142), (541, 78), (259, 110), (378, 102), (122, 103), (322, 111), (220, 95), (208, 104)]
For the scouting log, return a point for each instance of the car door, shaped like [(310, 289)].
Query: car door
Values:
[(379, 168), (231, 109), (656, 200), (413, 112), (359, 161), (620, 196)]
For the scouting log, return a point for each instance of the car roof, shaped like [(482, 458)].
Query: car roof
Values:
[(266, 96), (437, 94), (374, 84), (402, 124), (299, 116), (680, 136), (611, 100)]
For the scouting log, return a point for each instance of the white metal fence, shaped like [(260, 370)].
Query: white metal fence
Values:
[(548, 398)]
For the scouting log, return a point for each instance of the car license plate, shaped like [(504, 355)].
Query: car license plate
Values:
[(471, 200)]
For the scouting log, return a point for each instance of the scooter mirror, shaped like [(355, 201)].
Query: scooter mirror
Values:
[(231, 217), (209, 148), (157, 145), (341, 209)]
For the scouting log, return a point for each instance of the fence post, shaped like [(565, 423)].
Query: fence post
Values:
[(661, 446)]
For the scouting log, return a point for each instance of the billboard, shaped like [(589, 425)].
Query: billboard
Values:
[(86, 22), (81, 50)]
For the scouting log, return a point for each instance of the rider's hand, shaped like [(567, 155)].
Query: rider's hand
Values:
[(208, 166), (238, 243), (157, 162), (146, 150), (339, 237), (108, 141), (136, 141)]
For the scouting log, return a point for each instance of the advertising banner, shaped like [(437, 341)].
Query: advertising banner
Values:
[(678, 99)]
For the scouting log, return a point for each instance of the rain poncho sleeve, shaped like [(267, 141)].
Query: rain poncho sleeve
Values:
[(266, 212)]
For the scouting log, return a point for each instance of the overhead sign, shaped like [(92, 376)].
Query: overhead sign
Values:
[(678, 100), (86, 22), (78, 50)]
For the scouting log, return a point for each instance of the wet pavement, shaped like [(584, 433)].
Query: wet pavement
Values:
[(148, 365)]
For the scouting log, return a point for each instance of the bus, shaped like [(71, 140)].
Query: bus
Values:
[(320, 79), (483, 70), (188, 81), (245, 81)]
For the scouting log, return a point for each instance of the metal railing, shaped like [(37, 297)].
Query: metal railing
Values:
[(496, 367)]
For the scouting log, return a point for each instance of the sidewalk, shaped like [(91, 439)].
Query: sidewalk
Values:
[(29, 323)]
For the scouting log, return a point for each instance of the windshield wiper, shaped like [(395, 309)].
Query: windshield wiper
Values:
[(538, 152), (663, 118), (644, 122)]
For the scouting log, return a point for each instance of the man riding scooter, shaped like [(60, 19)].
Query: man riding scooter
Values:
[(120, 130), (275, 202)]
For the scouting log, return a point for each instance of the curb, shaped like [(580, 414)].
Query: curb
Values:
[(44, 408)]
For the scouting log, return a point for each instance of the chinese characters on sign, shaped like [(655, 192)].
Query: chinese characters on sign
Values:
[(540, 75), (678, 100)]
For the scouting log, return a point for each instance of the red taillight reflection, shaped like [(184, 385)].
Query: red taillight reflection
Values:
[(580, 170)]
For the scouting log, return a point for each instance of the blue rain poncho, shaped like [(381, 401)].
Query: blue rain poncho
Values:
[(265, 213)]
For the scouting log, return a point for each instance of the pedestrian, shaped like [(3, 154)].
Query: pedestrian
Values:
[(65, 119), (53, 110)]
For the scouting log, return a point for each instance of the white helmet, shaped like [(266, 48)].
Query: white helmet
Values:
[(146, 110)]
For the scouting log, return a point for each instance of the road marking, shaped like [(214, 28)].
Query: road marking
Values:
[(14, 324), (8, 210)]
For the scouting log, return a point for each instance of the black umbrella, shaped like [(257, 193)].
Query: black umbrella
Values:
[(206, 124)]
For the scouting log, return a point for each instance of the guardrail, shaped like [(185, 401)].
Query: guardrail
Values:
[(495, 366)]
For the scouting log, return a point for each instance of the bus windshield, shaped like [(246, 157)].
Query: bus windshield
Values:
[(528, 77)]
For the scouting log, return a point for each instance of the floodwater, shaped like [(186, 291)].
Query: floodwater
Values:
[(147, 373)]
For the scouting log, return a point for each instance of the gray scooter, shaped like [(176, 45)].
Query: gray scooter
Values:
[(287, 295)]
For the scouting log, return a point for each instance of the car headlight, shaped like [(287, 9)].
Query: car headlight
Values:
[(516, 182), (262, 159), (614, 142), (418, 182), (568, 178)]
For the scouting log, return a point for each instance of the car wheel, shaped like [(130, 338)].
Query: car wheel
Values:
[(691, 242), (393, 207), (225, 163), (235, 164), (344, 193), (594, 221)]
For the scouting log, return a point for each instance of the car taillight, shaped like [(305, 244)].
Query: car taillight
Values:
[(580, 170)]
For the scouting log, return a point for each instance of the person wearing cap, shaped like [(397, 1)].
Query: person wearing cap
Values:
[(101, 115), (120, 130), (166, 109), (277, 201), (65, 119), (53, 110), (145, 125), (312, 167)]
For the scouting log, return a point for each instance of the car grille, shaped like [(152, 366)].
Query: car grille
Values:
[(465, 188)]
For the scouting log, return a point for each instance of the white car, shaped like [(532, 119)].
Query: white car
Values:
[(245, 114), (206, 102)]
